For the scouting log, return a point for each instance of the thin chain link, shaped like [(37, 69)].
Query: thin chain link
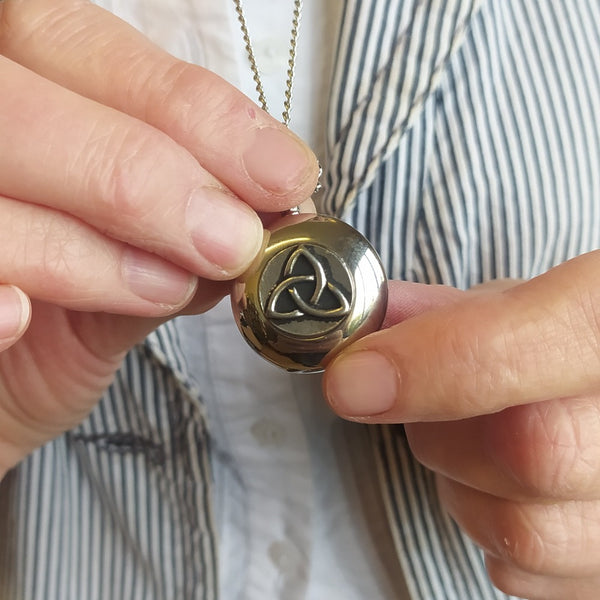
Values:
[(289, 84)]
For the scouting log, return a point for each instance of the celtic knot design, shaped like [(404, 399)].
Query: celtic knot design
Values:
[(311, 307)]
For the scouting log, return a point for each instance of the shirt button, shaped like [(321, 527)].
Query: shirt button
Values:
[(284, 556), (268, 433)]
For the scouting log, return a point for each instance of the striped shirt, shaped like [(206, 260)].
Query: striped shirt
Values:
[(464, 140)]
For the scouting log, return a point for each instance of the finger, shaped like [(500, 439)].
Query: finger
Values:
[(41, 401), (120, 175), (55, 374), (108, 336), (208, 295), (543, 451), (15, 313), (533, 342), (90, 51), (58, 259), (407, 300), (308, 206), (562, 539), (495, 285), (365, 395), (516, 582)]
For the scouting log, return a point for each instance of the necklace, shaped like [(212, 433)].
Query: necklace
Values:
[(318, 284), (289, 83)]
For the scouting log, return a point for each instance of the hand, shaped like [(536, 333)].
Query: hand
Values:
[(500, 391), (129, 184)]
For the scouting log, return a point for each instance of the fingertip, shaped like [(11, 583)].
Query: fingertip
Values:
[(15, 314), (226, 232), (281, 164), (154, 280)]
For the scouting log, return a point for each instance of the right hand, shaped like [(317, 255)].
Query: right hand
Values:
[(129, 188)]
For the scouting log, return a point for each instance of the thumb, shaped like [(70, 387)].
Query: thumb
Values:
[(480, 354)]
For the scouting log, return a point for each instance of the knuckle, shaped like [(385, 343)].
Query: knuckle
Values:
[(477, 345), (193, 101), (46, 254), (529, 542), (548, 539), (127, 159), (554, 449), (21, 21), (568, 451), (57, 248), (419, 448), (586, 323), (12, 21), (119, 171), (515, 583), (504, 576)]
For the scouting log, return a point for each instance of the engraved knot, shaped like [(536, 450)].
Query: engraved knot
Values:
[(312, 306)]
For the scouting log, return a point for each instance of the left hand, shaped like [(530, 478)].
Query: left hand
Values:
[(500, 391), (129, 181)]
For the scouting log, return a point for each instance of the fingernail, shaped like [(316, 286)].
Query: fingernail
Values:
[(361, 384), (154, 279), (14, 312), (277, 160), (225, 231)]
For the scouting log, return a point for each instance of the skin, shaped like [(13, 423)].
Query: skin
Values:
[(499, 389), (122, 174)]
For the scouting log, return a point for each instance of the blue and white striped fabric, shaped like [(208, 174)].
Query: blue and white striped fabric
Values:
[(119, 508), (464, 140), (480, 160)]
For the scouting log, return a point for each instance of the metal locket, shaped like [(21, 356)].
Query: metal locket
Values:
[(317, 286)]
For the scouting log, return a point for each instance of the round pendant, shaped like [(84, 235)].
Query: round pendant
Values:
[(317, 286)]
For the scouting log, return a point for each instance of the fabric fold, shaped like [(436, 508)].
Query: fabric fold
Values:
[(379, 89)]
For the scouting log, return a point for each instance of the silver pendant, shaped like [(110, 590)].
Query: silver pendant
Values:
[(318, 286)]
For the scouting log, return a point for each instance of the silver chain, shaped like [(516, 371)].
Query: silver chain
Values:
[(289, 84)]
